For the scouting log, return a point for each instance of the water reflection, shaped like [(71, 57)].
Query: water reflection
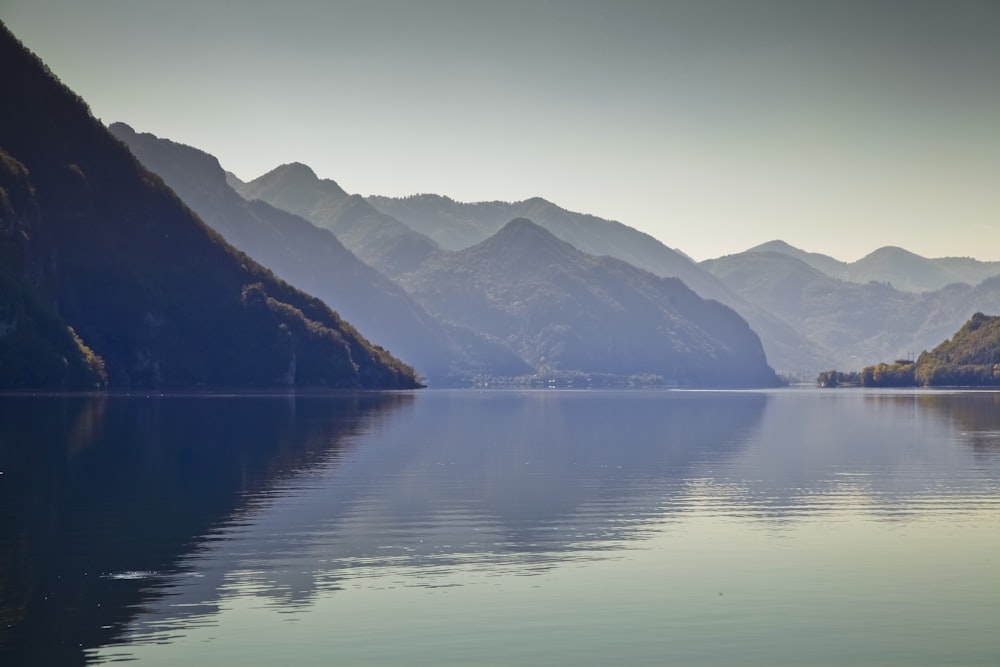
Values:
[(818, 452), (976, 415), (100, 496), (136, 521), (510, 482)]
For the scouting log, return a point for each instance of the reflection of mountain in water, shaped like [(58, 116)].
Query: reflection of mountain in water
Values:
[(494, 481), (817, 453), (975, 413), (100, 496), (160, 510)]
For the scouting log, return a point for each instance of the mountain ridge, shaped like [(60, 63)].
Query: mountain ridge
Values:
[(564, 311), (443, 218), (854, 321), (902, 268), (311, 258), (377, 239), (104, 252)]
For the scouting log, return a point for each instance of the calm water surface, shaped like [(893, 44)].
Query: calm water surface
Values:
[(793, 527)]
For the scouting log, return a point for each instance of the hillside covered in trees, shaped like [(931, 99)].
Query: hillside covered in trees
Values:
[(108, 279), (564, 311), (314, 260), (970, 359)]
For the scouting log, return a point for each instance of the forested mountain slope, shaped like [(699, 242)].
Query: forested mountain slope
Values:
[(92, 241), (563, 310)]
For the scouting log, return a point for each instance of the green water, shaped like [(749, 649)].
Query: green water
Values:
[(797, 527)]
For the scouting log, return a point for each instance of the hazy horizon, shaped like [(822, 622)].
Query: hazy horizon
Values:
[(714, 125)]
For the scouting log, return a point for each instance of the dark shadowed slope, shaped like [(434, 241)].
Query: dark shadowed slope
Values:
[(93, 241), (564, 310), (309, 257)]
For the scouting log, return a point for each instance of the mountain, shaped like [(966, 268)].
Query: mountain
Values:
[(854, 322), (108, 277), (828, 265), (452, 225), (314, 260), (901, 268), (377, 239), (970, 359), (456, 225), (565, 311)]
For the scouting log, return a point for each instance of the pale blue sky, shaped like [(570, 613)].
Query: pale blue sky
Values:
[(714, 125)]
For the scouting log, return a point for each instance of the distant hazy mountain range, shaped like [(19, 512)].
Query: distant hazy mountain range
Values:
[(377, 239), (106, 277), (313, 259), (562, 309), (404, 254), (901, 268), (562, 334), (394, 236), (842, 315), (857, 323)]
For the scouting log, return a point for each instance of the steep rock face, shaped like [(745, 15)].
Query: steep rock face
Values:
[(104, 247), (309, 257), (457, 225), (377, 239), (563, 310)]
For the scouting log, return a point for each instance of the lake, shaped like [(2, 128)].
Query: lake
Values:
[(548, 527)]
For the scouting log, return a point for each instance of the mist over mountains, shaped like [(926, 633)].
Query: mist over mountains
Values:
[(313, 259), (857, 323), (562, 309), (455, 225), (114, 275), (901, 268), (462, 338), (377, 239)]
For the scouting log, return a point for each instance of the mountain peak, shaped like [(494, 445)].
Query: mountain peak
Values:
[(518, 224), (297, 175), (526, 243), (776, 245), (891, 250), (295, 171), (119, 128), (147, 146), (524, 230)]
